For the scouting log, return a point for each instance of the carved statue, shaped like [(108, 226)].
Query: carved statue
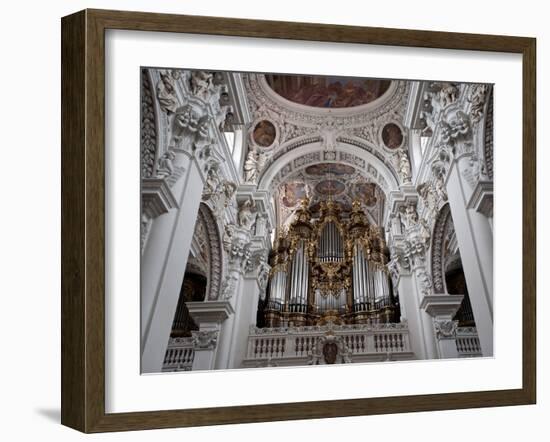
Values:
[(251, 166), (213, 181), (202, 136), (462, 124), (448, 94), (166, 164), (431, 103), (410, 216), (440, 95), (478, 96), (404, 166), (166, 93), (202, 83), (395, 225), (263, 275), (393, 268), (229, 189), (247, 214), (185, 124)]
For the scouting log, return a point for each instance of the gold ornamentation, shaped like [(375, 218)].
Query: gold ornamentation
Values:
[(330, 275)]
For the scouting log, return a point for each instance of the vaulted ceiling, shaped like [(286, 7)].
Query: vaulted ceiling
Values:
[(327, 118)]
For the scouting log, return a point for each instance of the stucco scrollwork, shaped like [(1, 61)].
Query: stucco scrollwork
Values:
[(206, 230), (477, 97), (205, 339), (445, 328), (237, 246), (256, 160), (425, 282), (441, 228), (166, 92), (148, 128)]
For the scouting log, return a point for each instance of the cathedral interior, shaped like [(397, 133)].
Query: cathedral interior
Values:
[(306, 220)]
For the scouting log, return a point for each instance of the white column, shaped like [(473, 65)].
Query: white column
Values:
[(210, 317), (475, 241), (410, 311), (163, 267), (442, 308), (426, 322), (245, 316), (227, 341)]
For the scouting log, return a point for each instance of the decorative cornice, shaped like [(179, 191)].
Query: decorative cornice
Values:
[(210, 312), (156, 197), (482, 198), (441, 305)]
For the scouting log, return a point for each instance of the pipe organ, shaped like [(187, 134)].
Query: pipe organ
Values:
[(329, 268)]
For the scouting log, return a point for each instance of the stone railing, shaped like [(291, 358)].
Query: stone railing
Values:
[(295, 345), (179, 355), (467, 342)]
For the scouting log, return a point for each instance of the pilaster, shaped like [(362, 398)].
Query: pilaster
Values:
[(442, 308)]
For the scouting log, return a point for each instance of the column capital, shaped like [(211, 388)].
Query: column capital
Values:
[(441, 306), (210, 314)]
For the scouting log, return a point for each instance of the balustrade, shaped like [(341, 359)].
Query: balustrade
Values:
[(467, 342), (294, 345), (179, 355)]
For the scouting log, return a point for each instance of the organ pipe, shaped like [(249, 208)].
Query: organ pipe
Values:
[(338, 256)]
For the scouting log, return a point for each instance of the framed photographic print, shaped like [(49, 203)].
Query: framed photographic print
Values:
[(267, 220)]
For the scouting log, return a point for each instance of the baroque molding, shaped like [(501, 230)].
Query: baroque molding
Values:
[(148, 130), (441, 230), (214, 245), (445, 329), (205, 339)]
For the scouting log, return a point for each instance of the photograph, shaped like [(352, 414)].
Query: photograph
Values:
[(294, 219)]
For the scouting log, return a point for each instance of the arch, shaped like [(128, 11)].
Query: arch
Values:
[(212, 242), (314, 152), (442, 222)]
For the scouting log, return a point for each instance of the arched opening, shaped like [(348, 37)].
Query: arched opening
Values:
[(447, 271), (193, 289), (203, 272), (456, 285)]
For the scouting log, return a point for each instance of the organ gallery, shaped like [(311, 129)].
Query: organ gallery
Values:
[(295, 220), (335, 269)]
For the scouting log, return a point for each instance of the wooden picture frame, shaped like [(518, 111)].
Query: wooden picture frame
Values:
[(83, 220)]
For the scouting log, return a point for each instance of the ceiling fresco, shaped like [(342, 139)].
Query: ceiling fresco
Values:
[(264, 133), (323, 169), (327, 91), (319, 182), (392, 136)]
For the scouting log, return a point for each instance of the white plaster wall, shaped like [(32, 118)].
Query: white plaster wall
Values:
[(30, 233)]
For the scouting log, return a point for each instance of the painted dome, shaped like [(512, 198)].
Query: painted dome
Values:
[(327, 91)]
